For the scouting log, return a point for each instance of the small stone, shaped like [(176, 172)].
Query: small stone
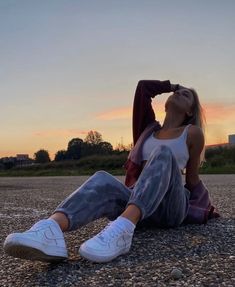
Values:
[(176, 273), (154, 278)]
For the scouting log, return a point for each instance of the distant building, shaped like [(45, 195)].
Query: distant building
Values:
[(8, 162), (18, 160), (23, 159), (8, 159), (231, 139), (230, 143)]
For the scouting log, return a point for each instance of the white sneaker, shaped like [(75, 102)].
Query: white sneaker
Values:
[(44, 241), (107, 245)]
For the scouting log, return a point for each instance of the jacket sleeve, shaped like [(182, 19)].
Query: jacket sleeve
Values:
[(200, 208), (143, 113)]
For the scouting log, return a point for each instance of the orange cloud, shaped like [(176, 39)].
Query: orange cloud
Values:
[(115, 114), (126, 113), (218, 112), (61, 133), (214, 112)]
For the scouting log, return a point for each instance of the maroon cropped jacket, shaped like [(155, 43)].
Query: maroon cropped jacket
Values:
[(144, 123)]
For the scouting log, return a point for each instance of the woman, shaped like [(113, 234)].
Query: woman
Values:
[(153, 190)]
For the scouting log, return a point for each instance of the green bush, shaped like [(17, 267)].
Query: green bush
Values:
[(221, 160), (84, 166)]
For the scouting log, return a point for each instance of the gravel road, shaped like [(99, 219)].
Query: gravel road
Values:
[(192, 255)]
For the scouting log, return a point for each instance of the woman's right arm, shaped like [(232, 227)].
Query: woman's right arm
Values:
[(143, 113)]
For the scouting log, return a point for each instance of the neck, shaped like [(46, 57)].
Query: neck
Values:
[(172, 120)]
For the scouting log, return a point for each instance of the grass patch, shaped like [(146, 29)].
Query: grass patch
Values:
[(89, 165), (85, 166), (226, 169)]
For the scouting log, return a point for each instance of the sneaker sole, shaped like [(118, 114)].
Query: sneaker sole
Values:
[(25, 248), (30, 253), (101, 259)]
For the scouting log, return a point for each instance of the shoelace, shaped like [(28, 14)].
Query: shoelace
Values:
[(39, 226), (108, 233)]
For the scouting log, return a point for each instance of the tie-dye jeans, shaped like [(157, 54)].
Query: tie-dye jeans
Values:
[(159, 193)]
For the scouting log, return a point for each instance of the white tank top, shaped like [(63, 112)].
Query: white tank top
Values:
[(177, 145)]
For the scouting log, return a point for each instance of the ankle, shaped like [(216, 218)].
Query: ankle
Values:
[(61, 219), (132, 213)]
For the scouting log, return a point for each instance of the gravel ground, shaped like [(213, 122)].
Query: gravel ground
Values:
[(193, 255)]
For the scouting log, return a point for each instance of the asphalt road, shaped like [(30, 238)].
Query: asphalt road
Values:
[(204, 255)]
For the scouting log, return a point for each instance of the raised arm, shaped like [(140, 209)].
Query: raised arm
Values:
[(143, 113)]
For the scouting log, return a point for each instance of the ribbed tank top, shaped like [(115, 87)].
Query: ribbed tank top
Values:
[(177, 145)]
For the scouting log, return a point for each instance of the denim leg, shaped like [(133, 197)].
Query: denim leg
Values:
[(159, 191), (102, 195)]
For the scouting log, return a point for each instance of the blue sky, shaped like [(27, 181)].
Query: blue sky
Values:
[(66, 66)]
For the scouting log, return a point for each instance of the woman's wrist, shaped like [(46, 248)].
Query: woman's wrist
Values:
[(174, 87)]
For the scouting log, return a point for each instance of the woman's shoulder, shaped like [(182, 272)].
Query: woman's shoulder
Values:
[(195, 130), (195, 135)]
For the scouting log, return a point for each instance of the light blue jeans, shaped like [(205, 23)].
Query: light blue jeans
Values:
[(159, 193)]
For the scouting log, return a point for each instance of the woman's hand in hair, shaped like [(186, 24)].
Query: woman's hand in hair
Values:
[(182, 87), (175, 87)]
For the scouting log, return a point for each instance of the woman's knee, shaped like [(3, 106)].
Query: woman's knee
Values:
[(101, 180), (101, 175)]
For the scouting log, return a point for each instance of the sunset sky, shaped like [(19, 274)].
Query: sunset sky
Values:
[(70, 66)]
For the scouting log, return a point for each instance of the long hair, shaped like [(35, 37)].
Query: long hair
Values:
[(197, 118)]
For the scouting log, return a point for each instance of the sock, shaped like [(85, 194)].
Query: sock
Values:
[(124, 224), (55, 224)]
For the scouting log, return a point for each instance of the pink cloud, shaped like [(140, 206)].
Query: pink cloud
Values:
[(126, 113), (116, 114), (218, 112), (61, 133)]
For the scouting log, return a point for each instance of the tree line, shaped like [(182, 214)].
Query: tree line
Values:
[(77, 148), (93, 144), (220, 156)]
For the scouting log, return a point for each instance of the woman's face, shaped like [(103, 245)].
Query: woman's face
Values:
[(183, 100)]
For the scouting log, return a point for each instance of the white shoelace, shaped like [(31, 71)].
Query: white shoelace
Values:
[(39, 226), (108, 233)]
